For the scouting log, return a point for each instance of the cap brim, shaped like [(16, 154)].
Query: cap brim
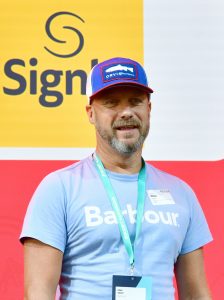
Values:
[(129, 84)]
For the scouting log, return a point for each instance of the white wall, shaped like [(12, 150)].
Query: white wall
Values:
[(184, 58)]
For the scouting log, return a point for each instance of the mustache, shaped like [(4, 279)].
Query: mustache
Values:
[(125, 123)]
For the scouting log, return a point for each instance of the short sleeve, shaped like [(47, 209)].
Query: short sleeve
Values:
[(45, 219), (198, 233)]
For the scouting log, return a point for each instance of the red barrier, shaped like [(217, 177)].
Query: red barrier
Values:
[(20, 178)]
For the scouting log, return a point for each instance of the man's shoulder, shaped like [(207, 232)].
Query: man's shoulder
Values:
[(74, 167), (161, 173), (164, 178), (77, 169)]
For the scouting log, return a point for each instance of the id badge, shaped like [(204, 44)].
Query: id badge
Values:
[(131, 287)]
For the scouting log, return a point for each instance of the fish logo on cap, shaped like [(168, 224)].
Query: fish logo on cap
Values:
[(119, 71)]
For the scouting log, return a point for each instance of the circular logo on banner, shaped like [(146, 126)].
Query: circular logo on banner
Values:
[(57, 40)]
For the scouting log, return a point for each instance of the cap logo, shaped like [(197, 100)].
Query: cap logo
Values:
[(119, 71)]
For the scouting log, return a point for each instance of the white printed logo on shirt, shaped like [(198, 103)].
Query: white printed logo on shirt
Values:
[(95, 216)]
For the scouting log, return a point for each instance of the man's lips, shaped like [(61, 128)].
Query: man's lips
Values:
[(121, 125), (129, 127)]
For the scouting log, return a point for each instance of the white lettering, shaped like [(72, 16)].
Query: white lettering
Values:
[(94, 216), (174, 218), (165, 217), (152, 217), (110, 217), (131, 213)]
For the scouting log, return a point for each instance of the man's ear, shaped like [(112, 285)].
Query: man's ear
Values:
[(90, 113), (150, 106), (149, 102)]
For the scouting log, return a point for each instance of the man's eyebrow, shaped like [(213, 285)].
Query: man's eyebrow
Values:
[(110, 98)]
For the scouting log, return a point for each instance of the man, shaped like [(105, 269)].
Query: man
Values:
[(112, 225)]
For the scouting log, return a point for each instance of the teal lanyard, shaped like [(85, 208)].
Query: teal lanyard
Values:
[(117, 210)]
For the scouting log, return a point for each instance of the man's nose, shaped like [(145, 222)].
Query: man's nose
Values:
[(126, 112)]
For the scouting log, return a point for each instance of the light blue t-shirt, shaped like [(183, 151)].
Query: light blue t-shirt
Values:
[(70, 211)]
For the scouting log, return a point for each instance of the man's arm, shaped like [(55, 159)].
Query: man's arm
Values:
[(42, 269), (190, 277)]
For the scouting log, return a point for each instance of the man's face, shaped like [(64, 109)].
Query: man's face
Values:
[(121, 118)]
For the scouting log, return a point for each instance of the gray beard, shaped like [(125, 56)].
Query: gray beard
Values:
[(126, 149), (122, 147)]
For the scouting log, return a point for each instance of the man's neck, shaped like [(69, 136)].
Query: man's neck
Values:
[(116, 162)]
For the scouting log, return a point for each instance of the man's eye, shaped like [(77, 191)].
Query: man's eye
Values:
[(136, 101), (110, 102)]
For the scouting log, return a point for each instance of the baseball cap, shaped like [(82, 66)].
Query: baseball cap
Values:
[(116, 71)]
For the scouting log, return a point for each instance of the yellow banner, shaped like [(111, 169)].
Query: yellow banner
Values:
[(47, 50)]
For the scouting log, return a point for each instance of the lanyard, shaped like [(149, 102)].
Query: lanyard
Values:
[(117, 210)]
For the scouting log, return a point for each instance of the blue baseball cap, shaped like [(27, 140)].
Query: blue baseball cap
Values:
[(116, 72)]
